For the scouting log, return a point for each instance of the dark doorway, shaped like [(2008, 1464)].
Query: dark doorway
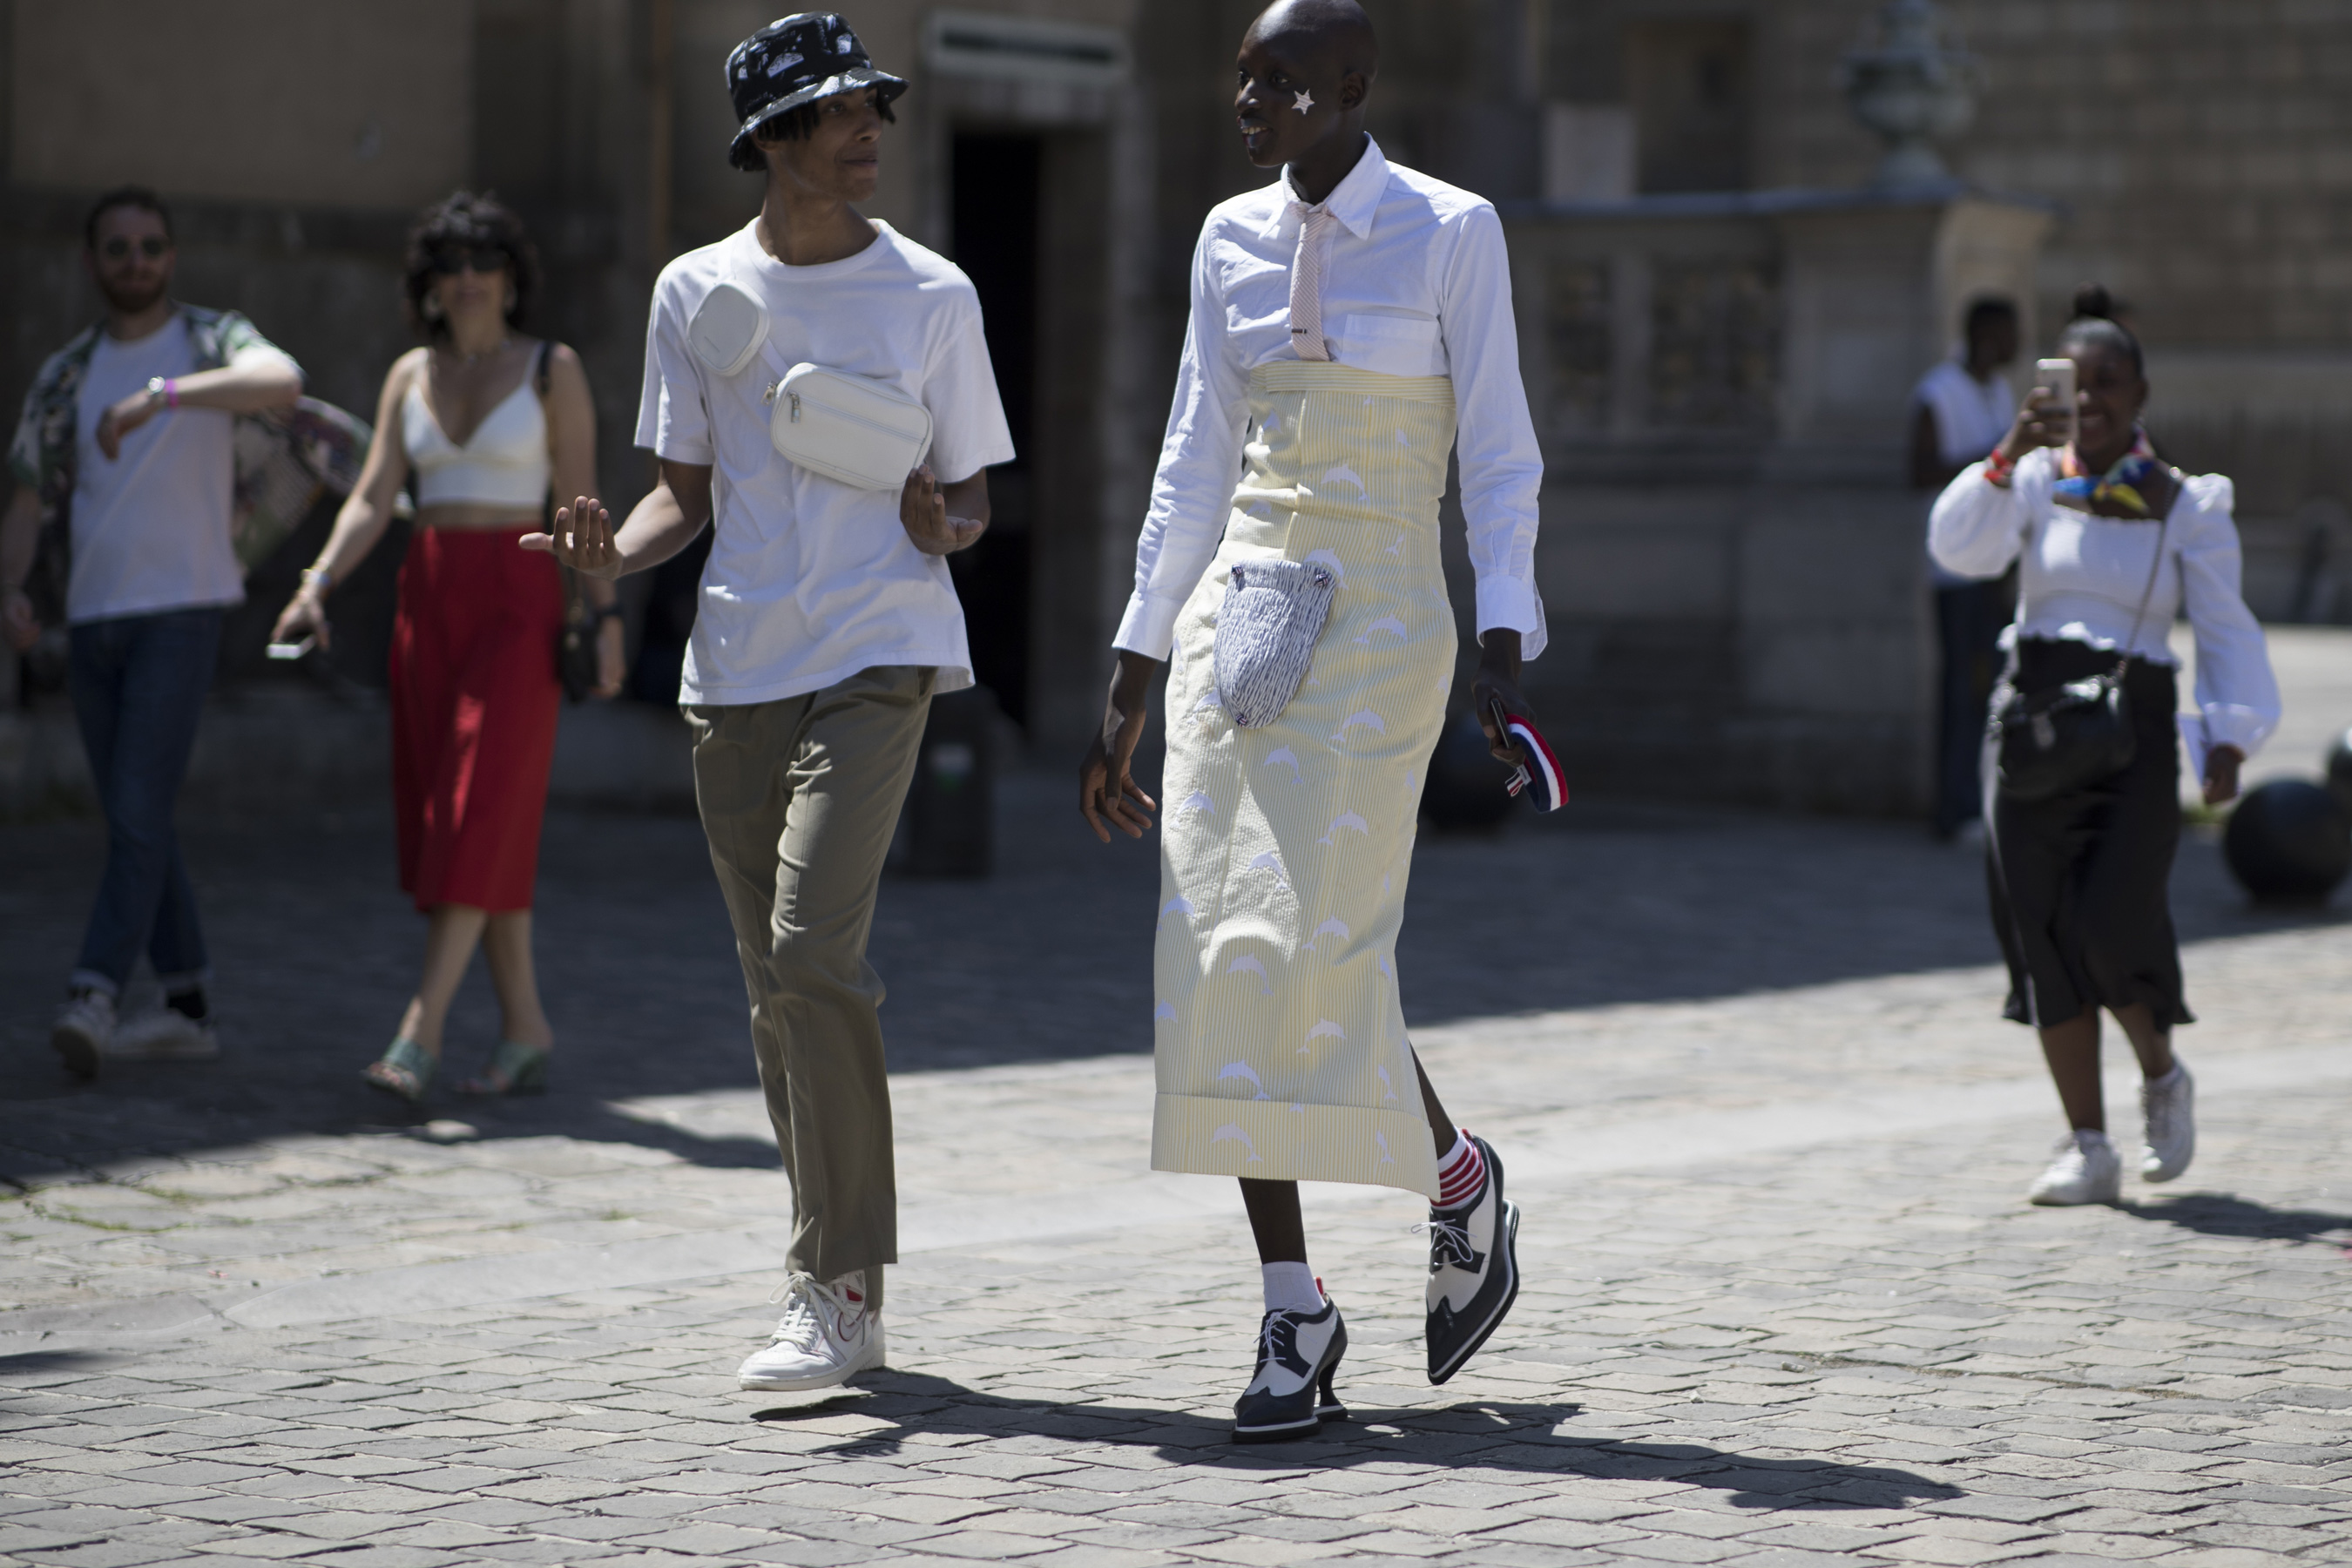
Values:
[(995, 192)]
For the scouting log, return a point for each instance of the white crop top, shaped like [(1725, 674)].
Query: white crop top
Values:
[(503, 463)]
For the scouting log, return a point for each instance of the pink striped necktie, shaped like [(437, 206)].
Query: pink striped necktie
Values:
[(1306, 284)]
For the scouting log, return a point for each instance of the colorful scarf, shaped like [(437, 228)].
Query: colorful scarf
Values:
[(2120, 484)]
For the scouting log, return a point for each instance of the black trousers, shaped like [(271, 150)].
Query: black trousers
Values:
[(1968, 619), (2080, 882)]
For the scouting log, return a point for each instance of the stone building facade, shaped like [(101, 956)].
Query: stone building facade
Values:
[(2190, 154)]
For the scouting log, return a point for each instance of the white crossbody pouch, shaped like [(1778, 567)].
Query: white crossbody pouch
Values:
[(848, 428)]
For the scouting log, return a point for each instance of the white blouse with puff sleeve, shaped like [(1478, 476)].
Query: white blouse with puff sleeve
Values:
[(2080, 579)]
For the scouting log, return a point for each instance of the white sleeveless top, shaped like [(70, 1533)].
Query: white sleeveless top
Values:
[(503, 463)]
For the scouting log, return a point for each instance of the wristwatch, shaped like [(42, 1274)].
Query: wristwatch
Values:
[(156, 390)]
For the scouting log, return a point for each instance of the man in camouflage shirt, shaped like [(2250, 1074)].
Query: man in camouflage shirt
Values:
[(125, 468)]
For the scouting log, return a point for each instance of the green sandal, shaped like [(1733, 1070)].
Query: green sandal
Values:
[(405, 1069), (515, 1068)]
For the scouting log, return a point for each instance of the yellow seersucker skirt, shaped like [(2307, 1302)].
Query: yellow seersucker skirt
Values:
[(1280, 1040)]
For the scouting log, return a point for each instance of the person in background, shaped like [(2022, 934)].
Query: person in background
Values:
[(123, 458), (488, 419), (1961, 409), (2100, 527), (827, 623)]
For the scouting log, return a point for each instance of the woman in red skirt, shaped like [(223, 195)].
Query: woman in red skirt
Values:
[(488, 419)]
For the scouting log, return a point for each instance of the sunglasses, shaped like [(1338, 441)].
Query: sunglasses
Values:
[(483, 258), (151, 246)]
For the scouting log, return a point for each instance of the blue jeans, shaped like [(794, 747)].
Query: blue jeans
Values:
[(139, 686)]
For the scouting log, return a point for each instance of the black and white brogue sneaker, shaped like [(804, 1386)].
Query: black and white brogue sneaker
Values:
[(1474, 1270), (1291, 1396)]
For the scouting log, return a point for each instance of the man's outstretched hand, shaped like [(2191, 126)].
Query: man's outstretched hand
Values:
[(1109, 796), (582, 540)]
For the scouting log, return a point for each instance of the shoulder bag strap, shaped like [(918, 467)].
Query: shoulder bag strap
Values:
[(2154, 565)]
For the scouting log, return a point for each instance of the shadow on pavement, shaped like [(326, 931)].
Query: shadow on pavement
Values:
[(2218, 1214), (1485, 1433), (1050, 959)]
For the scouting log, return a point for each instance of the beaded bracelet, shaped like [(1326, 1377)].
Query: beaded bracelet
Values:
[(1998, 468)]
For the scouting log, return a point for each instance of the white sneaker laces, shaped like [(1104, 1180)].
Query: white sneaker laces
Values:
[(801, 1326), (1449, 1240)]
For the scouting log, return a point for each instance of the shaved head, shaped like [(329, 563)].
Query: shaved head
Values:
[(1333, 34), (1305, 69)]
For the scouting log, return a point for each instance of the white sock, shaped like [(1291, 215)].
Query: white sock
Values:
[(1291, 1287)]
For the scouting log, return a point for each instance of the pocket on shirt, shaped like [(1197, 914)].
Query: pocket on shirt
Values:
[(1392, 345)]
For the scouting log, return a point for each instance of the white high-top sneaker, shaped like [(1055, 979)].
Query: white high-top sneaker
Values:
[(2085, 1170), (825, 1337), (2168, 1105)]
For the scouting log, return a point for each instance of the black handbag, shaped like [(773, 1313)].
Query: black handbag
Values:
[(2071, 736)]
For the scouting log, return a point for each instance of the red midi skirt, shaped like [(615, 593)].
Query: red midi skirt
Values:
[(474, 702)]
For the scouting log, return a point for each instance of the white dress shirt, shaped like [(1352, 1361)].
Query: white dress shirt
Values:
[(1416, 281), (2080, 578)]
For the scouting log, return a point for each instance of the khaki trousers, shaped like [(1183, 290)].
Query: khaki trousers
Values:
[(799, 799)]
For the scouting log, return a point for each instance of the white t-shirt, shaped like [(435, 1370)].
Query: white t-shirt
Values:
[(809, 580), (151, 526)]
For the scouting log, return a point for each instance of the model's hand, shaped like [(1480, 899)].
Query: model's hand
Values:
[(924, 511), (1109, 796), (2042, 420), (612, 663), (122, 419), (17, 622), (1497, 680), (305, 614), (584, 539), (2221, 764)]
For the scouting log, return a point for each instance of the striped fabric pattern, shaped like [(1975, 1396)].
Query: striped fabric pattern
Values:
[(1280, 1041), (1267, 627)]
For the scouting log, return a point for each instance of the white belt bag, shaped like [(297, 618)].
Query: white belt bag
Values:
[(853, 429), (848, 428)]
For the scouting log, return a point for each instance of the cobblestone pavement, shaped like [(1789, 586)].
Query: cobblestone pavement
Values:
[(1783, 1302)]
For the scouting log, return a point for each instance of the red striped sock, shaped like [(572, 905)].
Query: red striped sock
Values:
[(1462, 1173)]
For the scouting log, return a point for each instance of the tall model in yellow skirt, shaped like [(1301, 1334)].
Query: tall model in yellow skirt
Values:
[(1348, 323)]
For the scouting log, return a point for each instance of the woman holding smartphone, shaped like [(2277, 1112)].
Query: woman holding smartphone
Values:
[(2113, 544), (486, 418)]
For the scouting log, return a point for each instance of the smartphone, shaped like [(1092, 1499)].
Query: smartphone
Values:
[(291, 649), (2058, 375)]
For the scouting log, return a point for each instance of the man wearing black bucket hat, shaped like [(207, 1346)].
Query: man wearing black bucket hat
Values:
[(832, 374)]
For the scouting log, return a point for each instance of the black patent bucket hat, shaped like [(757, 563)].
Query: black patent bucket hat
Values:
[(796, 60)]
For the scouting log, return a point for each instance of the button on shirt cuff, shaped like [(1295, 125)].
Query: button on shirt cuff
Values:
[(1510, 604), (1149, 627)]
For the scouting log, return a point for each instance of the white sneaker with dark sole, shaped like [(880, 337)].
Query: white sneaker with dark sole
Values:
[(2084, 1170), (82, 1031), (2168, 1106), (825, 1337)]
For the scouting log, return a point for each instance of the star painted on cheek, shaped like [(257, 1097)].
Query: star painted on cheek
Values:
[(1305, 101)]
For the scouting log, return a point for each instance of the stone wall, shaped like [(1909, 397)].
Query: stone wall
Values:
[(2200, 155)]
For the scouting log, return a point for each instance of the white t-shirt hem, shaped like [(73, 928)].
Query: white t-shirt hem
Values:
[(953, 675), (163, 606)]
